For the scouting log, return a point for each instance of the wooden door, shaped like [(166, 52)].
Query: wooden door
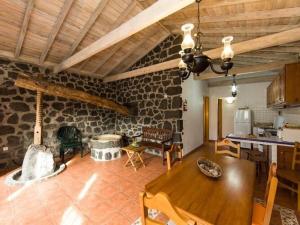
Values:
[(205, 119), (220, 121)]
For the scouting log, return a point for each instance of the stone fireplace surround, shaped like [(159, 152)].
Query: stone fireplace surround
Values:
[(157, 96)]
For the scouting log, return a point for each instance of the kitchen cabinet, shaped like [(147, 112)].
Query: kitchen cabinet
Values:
[(284, 157), (284, 90)]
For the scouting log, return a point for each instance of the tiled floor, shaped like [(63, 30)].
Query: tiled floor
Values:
[(87, 192), (90, 192)]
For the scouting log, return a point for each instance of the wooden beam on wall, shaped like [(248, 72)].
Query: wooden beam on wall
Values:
[(60, 19), (61, 91), (146, 18), (24, 27), (239, 48), (96, 13)]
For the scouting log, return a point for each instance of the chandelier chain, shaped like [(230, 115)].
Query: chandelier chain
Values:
[(198, 34)]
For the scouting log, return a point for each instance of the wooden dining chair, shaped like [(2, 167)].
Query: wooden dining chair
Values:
[(177, 151), (292, 175), (227, 147), (262, 212), (161, 203)]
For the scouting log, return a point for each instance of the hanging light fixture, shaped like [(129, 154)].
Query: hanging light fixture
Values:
[(233, 87), (192, 58)]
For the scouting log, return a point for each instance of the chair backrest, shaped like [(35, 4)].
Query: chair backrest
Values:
[(272, 173), (152, 133), (270, 193), (178, 151), (296, 156), (68, 133), (228, 151), (161, 203)]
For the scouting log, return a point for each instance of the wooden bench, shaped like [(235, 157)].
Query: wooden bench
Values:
[(156, 138)]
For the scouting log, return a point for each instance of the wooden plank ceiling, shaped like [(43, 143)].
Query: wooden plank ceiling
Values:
[(48, 32)]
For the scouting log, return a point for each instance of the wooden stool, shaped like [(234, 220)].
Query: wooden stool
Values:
[(134, 156)]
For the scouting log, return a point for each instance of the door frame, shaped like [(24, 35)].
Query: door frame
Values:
[(205, 119), (220, 119)]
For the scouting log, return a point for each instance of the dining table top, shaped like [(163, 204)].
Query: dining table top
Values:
[(226, 200)]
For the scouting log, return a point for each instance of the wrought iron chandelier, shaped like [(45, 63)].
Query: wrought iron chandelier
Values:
[(233, 87), (192, 58)]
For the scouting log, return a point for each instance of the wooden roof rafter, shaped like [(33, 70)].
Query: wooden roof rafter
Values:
[(239, 48), (246, 70), (144, 19), (160, 24), (138, 45), (245, 16), (60, 19), (117, 23), (131, 61), (23, 31), (96, 13), (264, 17)]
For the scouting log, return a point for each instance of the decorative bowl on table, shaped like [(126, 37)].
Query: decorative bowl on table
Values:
[(135, 144), (209, 168)]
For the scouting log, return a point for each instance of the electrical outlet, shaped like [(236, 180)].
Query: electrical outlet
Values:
[(5, 148)]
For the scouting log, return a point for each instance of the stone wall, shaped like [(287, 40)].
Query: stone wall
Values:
[(157, 95), (17, 110)]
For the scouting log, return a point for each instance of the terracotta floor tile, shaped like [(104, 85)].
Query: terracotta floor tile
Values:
[(101, 213), (109, 199), (132, 210), (118, 219)]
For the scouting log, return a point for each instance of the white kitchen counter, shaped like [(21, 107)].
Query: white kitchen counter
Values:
[(272, 141)]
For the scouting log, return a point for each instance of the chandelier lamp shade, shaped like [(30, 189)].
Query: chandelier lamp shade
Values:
[(192, 58)]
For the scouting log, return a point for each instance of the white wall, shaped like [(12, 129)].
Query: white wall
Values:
[(249, 95), (193, 91), (252, 95)]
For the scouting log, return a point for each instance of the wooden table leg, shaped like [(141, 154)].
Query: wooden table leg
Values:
[(134, 157), (131, 157), (142, 161), (298, 198)]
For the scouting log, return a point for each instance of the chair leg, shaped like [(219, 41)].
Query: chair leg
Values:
[(298, 198), (163, 153), (62, 155), (267, 168)]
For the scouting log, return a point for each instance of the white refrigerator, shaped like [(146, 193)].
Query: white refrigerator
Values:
[(243, 124)]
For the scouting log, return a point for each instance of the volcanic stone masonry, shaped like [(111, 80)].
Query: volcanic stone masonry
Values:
[(157, 97), (17, 110)]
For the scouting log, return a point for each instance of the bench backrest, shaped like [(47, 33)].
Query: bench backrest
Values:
[(157, 134)]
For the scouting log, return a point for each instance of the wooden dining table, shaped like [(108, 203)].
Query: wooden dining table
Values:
[(226, 200)]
